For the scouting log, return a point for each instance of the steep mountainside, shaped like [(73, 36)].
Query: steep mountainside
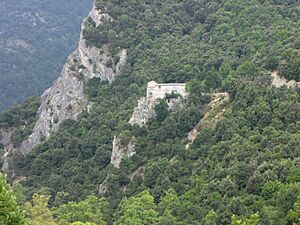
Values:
[(35, 40), (214, 140)]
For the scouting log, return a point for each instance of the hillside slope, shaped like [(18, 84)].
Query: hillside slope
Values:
[(135, 150), (35, 40)]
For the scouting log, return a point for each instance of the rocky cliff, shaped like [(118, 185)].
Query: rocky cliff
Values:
[(121, 150), (65, 99), (5, 141), (279, 81), (144, 111), (5, 136)]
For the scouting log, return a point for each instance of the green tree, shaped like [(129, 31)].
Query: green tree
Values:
[(252, 220), (294, 176), (90, 210), (247, 69), (294, 214), (138, 210), (38, 211), (168, 206), (10, 213), (80, 223), (161, 110), (210, 218)]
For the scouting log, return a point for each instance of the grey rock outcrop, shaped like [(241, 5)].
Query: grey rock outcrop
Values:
[(97, 15), (140, 172), (120, 151), (103, 186), (146, 109), (5, 136), (279, 81), (5, 140), (65, 99), (94, 59), (143, 112)]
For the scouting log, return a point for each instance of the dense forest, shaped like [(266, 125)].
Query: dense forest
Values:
[(244, 170), (35, 40)]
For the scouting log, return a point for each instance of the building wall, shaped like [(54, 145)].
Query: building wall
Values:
[(155, 90)]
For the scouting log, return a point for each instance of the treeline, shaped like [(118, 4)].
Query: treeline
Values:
[(139, 209)]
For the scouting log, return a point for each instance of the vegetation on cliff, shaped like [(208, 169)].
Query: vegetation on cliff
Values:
[(245, 170)]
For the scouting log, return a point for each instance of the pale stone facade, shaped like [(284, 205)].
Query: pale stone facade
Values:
[(145, 109), (156, 91)]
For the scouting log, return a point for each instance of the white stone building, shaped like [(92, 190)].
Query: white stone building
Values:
[(156, 91), (145, 109)]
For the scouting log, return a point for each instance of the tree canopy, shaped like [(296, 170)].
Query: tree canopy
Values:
[(243, 168)]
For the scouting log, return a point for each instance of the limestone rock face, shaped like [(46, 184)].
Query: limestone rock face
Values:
[(140, 172), (65, 99), (94, 59), (120, 151), (175, 104), (279, 81), (97, 15), (103, 186), (5, 136), (143, 112), (5, 140), (146, 110)]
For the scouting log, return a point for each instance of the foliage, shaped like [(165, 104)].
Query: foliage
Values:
[(252, 220), (38, 212), (139, 210), (244, 166), (87, 211), (20, 115), (20, 120), (294, 213), (80, 223), (10, 213)]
